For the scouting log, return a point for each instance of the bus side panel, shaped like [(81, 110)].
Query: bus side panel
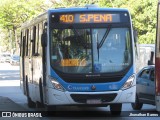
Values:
[(22, 85), (157, 67), (37, 76), (26, 67), (22, 76), (22, 67), (21, 64)]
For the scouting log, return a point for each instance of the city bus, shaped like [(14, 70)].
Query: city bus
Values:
[(157, 60), (79, 56)]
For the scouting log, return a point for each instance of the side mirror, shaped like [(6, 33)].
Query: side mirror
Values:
[(44, 39)]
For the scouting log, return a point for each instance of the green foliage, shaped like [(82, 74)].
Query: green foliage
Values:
[(143, 14), (14, 12), (73, 3)]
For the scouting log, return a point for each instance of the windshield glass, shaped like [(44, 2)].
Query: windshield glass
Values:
[(98, 50)]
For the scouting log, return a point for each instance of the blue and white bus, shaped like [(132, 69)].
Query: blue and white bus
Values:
[(79, 56)]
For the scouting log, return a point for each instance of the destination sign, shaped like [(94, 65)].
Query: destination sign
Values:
[(89, 18)]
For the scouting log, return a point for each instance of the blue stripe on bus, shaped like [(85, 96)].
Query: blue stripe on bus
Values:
[(81, 87)]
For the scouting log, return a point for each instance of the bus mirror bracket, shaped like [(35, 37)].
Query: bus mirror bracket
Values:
[(135, 33), (44, 39), (150, 62)]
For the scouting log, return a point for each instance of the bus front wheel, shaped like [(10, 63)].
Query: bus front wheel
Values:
[(41, 103), (116, 108), (50, 110)]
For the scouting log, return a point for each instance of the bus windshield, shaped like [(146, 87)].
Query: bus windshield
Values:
[(90, 50)]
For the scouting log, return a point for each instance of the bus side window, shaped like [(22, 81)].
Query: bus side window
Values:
[(39, 34), (27, 39), (37, 40), (28, 43), (33, 40), (21, 43), (23, 49)]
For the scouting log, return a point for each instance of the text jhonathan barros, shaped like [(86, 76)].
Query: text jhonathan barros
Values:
[(143, 114)]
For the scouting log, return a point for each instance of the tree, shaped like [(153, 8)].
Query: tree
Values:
[(13, 15), (143, 14), (73, 3), (14, 12)]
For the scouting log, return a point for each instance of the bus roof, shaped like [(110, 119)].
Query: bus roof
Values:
[(73, 9), (82, 9)]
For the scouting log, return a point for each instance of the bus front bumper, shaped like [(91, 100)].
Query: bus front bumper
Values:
[(56, 97)]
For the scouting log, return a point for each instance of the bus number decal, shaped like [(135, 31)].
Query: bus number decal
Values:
[(67, 18)]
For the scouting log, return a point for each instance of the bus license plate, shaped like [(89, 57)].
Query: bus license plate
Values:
[(94, 101)]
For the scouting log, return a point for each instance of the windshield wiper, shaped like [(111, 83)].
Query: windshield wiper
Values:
[(104, 38)]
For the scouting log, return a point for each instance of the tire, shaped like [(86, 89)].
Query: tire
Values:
[(137, 105), (50, 110), (116, 109), (31, 104), (41, 103)]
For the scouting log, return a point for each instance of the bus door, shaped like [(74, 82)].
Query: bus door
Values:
[(37, 62), (22, 54), (30, 65), (22, 65)]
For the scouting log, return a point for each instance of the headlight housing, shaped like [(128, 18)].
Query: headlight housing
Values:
[(129, 82), (56, 84)]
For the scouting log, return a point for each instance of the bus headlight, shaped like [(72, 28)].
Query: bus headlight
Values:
[(56, 84), (129, 82)]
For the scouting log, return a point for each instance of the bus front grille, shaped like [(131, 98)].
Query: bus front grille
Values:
[(82, 98)]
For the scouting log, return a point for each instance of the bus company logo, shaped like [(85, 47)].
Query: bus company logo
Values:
[(80, 88), (93, 87)]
